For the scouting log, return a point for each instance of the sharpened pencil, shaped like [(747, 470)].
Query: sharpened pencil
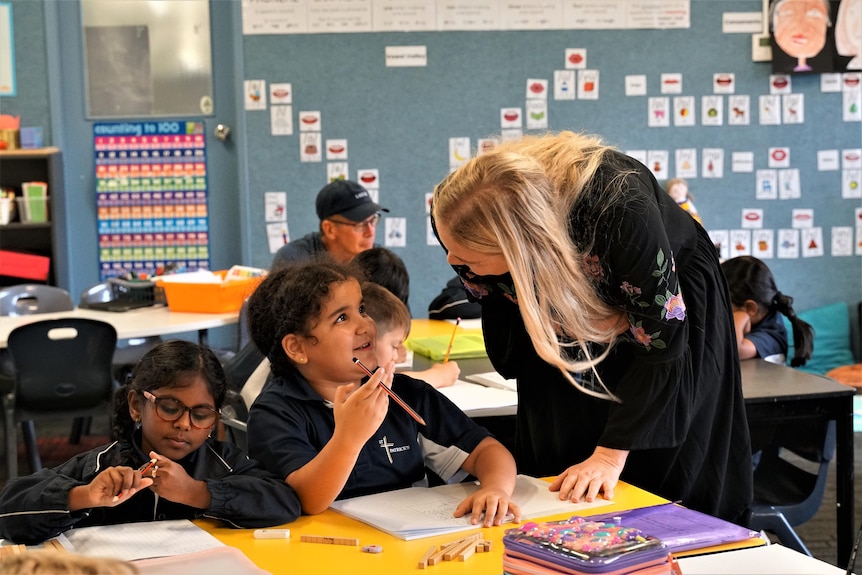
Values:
[(392, 394), (452, 340)]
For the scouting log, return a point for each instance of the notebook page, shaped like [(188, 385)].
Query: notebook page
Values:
[(130, 541)]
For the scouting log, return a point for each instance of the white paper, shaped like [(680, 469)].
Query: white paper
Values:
[(476, 400), (281, 120), (765, 560), (493, 379), (564, 85)]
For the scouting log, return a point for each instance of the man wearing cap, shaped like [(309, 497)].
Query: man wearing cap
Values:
[(348, 219)]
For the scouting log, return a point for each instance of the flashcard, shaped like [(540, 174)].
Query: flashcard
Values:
[(762, 244), (802, 218), (686, 162), (683, 111), (851, 158), (830, 82), (511, 134), (752, 218), (827, 160), (510, 118), (276, 235), (255, 94), (712, 110), (430, 238), (537, 114), (671, 83), (639, 155), (770, 110), (576, 58), (767, 185), (740, 243), (309, 121), (723, 83), (280, 94), (780, 84), (739, 110), (369, 177), (793, 108), (459, 151), (721, 240), (851, 81), (778, 158), (789, 187), (429, 197), (659, 112), (336, 171), (281, 120), (811, 240), (564, 85), (588, 85), (713, 163), (852, 102), (850, 184), (742, 162), (275, 206), (842, 241), (396, 233), (537, 89), (485, 145), (336, 149), (788, 243), (657, 163), (636, 85), (310, 147)]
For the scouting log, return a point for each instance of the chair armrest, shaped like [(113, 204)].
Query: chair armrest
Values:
[(235, 423)]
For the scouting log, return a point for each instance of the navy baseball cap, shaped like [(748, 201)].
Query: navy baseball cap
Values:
[(348, 199)]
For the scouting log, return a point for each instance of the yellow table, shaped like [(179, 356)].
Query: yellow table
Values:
[(294, 557)]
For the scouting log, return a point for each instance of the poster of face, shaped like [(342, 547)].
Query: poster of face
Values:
[(815, 36)]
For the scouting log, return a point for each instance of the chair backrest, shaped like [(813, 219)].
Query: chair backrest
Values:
[(28, 299), (62, 364)]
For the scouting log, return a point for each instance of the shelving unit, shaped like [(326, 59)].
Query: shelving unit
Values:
[(17, 166)]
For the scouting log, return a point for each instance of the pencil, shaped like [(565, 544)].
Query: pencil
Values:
[(146, 466), (393, 395), (452, 340)]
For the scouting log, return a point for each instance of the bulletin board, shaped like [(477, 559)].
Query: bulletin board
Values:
[(774, 163), (151, 196)]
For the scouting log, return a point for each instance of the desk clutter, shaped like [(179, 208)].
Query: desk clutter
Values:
[(457, 550)]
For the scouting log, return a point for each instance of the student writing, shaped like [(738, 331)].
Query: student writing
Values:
[(166, 412), (757, 310), (332, 437)]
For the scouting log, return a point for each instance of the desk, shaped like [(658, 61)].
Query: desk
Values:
[(141, 322), (293, 556), (773, 394), (778, 394)]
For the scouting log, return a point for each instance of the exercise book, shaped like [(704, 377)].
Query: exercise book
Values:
[(417, 512), (493, 379)]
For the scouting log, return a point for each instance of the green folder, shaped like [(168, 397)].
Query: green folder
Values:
[(36, 197), (465, 346)]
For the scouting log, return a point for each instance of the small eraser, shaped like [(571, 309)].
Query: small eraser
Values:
[(372, 549), (272, 533)]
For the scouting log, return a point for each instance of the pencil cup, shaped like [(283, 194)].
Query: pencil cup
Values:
[(5, 211), (33, 210)]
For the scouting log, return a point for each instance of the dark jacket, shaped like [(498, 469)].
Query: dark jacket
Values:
[(35, 507)]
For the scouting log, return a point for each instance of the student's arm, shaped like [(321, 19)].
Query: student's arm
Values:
[(358, 414), (111, 487), (742, 325), (494, 467), (438, 375)]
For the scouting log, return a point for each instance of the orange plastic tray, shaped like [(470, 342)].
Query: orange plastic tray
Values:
[(209, 298)]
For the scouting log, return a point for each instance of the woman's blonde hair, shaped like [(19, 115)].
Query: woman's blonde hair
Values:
[(45, 562), (516, 200)]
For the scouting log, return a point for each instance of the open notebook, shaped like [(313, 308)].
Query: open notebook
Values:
[(418, 512), (493, 379)]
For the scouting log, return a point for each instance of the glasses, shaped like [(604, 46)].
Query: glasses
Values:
[(359, 227), (170, 409)]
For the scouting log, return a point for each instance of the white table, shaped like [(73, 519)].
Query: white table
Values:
[(141, 322)]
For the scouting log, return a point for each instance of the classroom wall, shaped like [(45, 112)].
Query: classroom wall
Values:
[(399, 120)]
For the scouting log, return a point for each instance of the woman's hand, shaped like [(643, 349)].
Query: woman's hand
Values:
[(112, 487), (598, 474), (494, 503)]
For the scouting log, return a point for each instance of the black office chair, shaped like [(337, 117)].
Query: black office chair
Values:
[(62, 368), (790, 479)]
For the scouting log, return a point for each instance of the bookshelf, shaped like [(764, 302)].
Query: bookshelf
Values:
[(39, 164)]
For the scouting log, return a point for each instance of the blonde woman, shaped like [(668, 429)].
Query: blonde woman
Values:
[(608, 305)]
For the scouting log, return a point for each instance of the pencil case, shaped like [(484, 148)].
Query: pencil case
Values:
[(579, 546), (515, 564)]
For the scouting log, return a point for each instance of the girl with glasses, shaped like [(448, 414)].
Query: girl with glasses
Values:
[(163, 465)]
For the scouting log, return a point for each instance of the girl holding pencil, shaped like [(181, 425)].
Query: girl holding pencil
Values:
[(332, 437), (164, 464)]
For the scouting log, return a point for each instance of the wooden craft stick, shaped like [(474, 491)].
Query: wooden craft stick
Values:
[(460, 546), (56, 545), (467, 551), (351, 541), (423, 562)]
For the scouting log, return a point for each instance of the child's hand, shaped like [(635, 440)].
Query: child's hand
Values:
[(112, 487), (494, 503), (359, 412), (171, 482), (443, 374)]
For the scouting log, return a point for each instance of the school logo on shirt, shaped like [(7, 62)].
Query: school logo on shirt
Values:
[(390, 447)]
